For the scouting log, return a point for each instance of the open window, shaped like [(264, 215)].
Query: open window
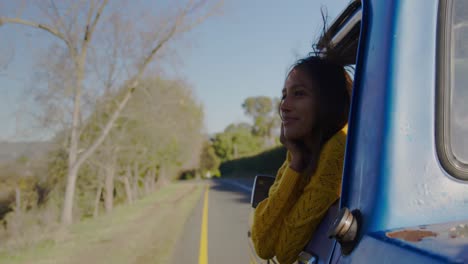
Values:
[(452, 109), (344, 33), (344, 36)]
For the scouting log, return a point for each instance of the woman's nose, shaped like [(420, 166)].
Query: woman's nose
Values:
[(284, 108), (285, 105)]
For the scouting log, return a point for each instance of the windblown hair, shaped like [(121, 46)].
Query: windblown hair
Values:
[(333, 83)]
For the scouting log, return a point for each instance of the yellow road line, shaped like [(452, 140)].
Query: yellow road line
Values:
[(203, 256)]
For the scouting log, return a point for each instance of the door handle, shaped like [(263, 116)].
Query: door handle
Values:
[(345, 229)]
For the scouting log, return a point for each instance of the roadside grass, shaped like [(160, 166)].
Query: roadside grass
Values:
[(145, 232)]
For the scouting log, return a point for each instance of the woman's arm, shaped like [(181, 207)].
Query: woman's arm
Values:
[(301, 221), (270, 213), (286, 221)]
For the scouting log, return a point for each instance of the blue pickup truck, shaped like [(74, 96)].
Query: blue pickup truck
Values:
[(405, 180)]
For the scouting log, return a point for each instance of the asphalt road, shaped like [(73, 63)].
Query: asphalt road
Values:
[(227, 209)]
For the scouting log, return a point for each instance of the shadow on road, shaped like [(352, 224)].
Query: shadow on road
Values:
[(241, 187)]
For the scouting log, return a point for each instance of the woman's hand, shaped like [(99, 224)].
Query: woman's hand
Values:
[(298, 151)]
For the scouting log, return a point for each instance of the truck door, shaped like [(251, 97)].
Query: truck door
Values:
[(406, 165)]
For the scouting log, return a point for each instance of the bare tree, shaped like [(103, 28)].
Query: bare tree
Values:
[(75, 25)]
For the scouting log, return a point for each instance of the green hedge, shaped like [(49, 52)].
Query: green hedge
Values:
[(267, 162)]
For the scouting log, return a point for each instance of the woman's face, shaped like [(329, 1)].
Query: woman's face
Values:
[(299, 106)]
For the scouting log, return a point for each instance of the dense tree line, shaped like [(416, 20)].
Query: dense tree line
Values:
[(121, 128), (247, 139), (158, 134)]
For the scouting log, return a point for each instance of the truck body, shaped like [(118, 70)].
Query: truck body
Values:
[(405, 173)]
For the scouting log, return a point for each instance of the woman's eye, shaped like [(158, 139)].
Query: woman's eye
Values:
[(283, 96), (299, 93)]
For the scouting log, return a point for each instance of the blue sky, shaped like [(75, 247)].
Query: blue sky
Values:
[(244, 52)]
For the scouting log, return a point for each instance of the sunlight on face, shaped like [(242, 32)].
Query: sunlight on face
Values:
[(299, 105)]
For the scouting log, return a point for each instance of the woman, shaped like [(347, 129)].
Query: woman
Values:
[(314, 112)]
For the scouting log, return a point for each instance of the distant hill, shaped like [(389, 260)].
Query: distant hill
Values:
[(11, 151)]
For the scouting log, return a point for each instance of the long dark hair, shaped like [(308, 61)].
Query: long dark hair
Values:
[(334, 84), (333, 88)]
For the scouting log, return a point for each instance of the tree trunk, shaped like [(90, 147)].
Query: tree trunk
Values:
[(153, 180), (128, 189), (136, 177), (73, 167), (162, 179), (146, 186), (147, 182), (18, 201), (109, 186), (67, 213), (97, 200), (136, 188), (77, 49), (235, 151)]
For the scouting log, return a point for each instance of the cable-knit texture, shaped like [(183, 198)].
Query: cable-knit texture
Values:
[(285, 221)]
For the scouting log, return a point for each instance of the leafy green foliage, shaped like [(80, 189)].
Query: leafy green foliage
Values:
[(208, 160), (264, 112), (159, 132), (236, 141), (241, 140), (267, 162)]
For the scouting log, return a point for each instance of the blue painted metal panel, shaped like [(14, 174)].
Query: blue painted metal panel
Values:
[(362, 182), (417, 188), (392, 173), (376, 250), (447, 241)]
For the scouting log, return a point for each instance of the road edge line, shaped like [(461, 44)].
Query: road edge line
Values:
[(203, 255)]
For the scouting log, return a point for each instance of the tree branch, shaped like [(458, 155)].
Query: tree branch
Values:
[(53, 31), (88, 20), (131, 84), (192, 6), (156, 49), (57, 16), (90, 28), (107, 128)]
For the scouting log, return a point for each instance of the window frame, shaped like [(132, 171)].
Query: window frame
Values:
[(448, 160)]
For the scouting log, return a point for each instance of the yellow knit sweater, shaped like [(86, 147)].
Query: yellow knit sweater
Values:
[(286, 220)]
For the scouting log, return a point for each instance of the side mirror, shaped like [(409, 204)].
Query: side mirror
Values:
[(261, 186)]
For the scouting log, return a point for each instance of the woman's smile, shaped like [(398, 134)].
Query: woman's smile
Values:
[(288, 120), (299, 105)]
